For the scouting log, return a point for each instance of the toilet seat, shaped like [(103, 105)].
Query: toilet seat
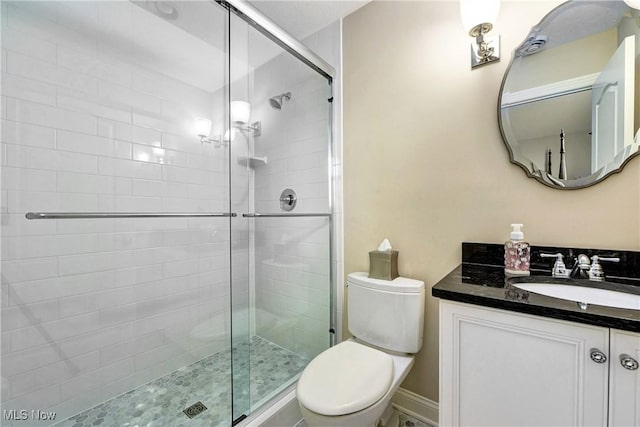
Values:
[(346, 378)]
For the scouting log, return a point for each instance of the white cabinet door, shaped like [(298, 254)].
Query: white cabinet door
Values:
[(499, 368), (624, 395)]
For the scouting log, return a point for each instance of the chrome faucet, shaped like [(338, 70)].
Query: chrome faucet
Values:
[(582, 267)]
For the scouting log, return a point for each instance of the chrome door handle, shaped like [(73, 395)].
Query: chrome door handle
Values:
[(598, 356), (628, 362)]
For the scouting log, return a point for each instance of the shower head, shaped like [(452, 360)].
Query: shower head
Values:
[(275, 104), (276, 101)]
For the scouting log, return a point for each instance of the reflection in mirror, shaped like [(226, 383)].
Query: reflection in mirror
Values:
[(576, 74)]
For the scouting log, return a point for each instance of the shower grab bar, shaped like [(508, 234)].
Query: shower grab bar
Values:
[(282, 215), (79, 215)]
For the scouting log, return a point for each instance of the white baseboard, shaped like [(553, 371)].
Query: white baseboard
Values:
[(416, 406), (406, 401)]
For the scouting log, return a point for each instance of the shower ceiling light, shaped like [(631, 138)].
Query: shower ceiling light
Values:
[(166, 9), (478, 17)]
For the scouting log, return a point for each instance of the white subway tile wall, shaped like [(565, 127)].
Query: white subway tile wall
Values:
[(94, 307)]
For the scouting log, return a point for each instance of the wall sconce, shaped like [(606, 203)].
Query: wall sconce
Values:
[(240, 116), (240, 112), (202, 128), (478, 17)]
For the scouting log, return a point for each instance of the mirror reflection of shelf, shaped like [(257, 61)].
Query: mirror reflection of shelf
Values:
[(552, 90), (252, 161)]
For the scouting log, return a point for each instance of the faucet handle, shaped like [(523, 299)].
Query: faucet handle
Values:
[(559, 269), (544, 255), (608, 259), (595, 271)]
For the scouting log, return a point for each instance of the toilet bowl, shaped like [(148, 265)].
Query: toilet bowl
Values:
[(351, 384)]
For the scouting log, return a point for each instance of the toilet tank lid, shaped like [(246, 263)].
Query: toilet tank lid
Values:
[(344, 379), (399, 284)]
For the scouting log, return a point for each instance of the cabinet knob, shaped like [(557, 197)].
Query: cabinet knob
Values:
[(628, 362), (598, 356)]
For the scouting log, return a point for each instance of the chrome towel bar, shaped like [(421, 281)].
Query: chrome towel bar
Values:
[(79, 215), (94, 215), (284, 215)]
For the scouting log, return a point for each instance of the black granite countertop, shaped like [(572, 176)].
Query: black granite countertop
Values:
[(486, 285)]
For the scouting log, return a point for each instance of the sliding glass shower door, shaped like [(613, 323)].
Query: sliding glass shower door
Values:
[(115, 212), (280, 111)]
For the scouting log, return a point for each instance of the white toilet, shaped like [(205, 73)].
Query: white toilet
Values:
[(352, 383)]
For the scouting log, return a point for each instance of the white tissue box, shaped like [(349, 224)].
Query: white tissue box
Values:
[(383, 265)]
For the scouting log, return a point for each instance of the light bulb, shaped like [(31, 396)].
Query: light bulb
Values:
[(240, 112), (202, 126)]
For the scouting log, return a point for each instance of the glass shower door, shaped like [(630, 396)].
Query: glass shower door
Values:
[(280, 187), (117, 312)]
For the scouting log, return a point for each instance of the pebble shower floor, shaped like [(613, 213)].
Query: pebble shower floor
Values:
[(160, 403)]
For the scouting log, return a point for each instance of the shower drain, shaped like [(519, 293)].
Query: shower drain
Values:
[(195, 409)]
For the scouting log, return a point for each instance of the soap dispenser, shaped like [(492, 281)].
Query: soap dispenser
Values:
[(516, 253)]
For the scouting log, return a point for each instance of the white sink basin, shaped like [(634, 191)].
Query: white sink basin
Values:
[(583, 295)]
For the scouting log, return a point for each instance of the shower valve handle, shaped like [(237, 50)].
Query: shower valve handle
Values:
[(288, 200)]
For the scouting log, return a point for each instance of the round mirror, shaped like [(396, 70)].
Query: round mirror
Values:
[(569, 106)]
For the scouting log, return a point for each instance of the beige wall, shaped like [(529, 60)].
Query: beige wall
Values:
[(574, 63), (424, 164)]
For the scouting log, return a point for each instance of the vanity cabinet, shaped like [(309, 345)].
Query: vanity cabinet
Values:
[(624, 383), (501, 368)]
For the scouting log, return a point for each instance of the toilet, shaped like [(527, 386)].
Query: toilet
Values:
[(352, 383)]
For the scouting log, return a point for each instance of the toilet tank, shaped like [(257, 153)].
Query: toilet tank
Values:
[(386, 313)]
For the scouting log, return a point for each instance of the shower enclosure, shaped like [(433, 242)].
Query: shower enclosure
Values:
[(166, 212)]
